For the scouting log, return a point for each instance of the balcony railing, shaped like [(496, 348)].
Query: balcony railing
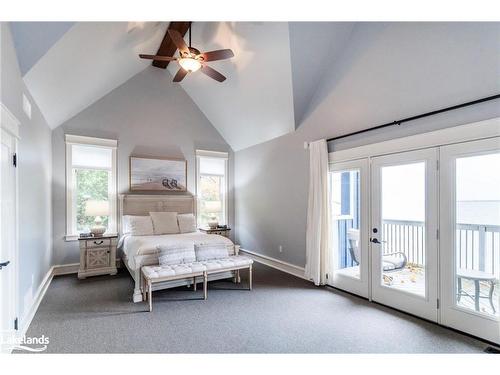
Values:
[(477, 246), (407, 237)]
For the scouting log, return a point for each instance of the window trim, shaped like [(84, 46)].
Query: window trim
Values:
[(212, 155), (95, 142)]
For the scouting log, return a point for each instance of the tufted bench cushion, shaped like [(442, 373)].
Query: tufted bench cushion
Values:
[(167, 270), (231, 262)]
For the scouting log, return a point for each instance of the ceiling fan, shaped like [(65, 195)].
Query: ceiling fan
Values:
[(191, 59)]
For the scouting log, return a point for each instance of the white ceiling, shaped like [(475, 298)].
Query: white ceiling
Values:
[(87, 62), (255, 103), (271, 81), (315, 48)]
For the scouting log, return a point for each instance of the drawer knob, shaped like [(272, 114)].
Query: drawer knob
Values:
[(99, 243)]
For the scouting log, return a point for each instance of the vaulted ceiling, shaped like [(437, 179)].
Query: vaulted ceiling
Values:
[(270, 82)]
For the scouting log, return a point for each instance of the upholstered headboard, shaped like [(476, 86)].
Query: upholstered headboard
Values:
[(142, 205)]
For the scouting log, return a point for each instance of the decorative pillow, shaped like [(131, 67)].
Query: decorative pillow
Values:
[(164, 222), (210, 251), (176, 254), (140, 225), (187, 223)]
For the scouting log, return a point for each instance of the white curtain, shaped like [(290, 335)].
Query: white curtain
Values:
[(317, 246)]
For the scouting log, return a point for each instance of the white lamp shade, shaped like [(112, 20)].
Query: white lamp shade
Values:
[(96, 208), (213, 206)]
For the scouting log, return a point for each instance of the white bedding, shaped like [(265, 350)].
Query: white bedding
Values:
[(147, 245)]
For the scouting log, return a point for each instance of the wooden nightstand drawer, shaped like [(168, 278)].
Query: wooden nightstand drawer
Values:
[(98, 242)]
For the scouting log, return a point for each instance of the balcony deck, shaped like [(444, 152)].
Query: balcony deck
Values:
[(411, 279)]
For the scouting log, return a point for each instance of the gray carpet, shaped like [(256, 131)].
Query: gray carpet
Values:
[(283, 314)]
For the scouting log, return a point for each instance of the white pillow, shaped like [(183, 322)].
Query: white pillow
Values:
[(164, 222), (187, 223), (176, 254), (140, 225), (210, 251)]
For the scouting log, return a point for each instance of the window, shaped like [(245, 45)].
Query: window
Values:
[(90, 176), (211, 186)]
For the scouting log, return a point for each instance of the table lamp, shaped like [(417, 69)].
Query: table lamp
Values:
[(97, 208)]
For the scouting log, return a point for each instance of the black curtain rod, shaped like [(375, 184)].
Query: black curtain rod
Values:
[(399, 122)]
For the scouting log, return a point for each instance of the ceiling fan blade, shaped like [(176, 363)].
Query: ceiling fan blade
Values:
[(220, 54), (212, 73), (157, 58), (178, 41), (181, 73)]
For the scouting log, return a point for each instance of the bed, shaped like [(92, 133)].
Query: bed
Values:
[(138, 251)]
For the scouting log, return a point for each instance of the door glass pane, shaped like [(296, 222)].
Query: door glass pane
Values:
[(477, 233), (345, 220), (402, 234)]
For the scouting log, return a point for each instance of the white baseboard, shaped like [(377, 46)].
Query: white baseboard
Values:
[(278, 264), (40, 293)]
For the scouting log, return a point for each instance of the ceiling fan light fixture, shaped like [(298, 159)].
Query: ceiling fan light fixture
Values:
[(189, 64)]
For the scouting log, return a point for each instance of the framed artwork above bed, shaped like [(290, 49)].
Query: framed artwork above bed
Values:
[(157, 174)]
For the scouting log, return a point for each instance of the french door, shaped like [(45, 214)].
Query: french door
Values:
[(470, 237), (348, 191), (420, 231), (403, 233)]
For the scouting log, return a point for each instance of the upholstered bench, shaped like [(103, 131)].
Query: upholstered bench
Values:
[(161, 273), (232, 263)]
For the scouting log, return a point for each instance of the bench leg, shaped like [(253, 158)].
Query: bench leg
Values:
[(250, 277), (144, 289), (150, 296), (194, 284), (205, 285)]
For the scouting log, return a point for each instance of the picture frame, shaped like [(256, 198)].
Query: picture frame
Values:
[(157, 174)]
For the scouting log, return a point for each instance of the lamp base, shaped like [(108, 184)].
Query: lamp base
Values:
[(213, 223), (98, 230)]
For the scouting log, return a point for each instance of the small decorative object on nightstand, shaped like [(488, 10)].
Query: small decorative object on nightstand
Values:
[(223, 231), (97, 256)]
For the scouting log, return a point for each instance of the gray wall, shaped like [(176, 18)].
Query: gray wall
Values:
[(386, 72), (34, 170), (148, 115)]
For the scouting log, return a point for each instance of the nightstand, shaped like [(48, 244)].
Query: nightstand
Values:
[(221, 231), (97, 256)]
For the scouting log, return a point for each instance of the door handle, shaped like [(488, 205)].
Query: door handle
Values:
[(374, 240), (4, 264)]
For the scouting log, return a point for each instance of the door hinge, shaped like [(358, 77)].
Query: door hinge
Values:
[(14, 160), (437, 303), (16, 324), (437, 165), (327, 276), (437, 234)]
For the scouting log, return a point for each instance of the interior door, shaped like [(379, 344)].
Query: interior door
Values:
[(348, 196), (470, 237), (403, 241), (7, 234)]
